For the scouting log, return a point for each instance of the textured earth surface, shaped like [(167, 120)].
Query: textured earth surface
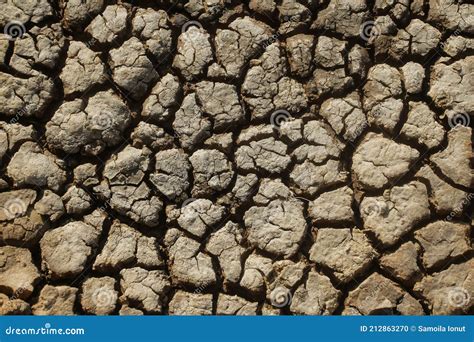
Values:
[(202, 157)]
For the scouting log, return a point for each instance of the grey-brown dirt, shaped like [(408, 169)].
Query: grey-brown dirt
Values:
[(219, 157)]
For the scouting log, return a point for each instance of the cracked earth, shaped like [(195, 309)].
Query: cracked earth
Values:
[(236, 158)]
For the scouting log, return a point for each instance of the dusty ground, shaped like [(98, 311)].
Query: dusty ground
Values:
[(219, 157)]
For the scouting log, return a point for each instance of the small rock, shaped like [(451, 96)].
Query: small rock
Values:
[(345, 115), (421, 125), (127, 247), (377, 295), (454, 46), (55, 300), (266, 155), (187, 264), (152, 27), (212, 172), (189, 124), (39, 47), (358, 61), (76, 201), (381, 93), (66, 250), (88, 126), (257, 270), (98, 296), (125, 310), (396, 212), (329, 52), (190, 304), (130, 194), (86, 174), (310, 178), (31, 165), (162, 101), (271, 189), (234, 305), (77, 12), (450, 87), (199, 215), (379, 161), (25, 96), (300, 54), (423, 37), (225, 243), (444, 197), (152, 136), (82, 70), (131, 68), (402, 263), (441, 241), (194, 52), (332, 206), (266, 87), (262, 6), (316, 296), (13, 306), (146, 290), (236, 45), (109, 25), (20, 223), (413, 75), (449, 292), (342, 17), (451, 15), (221, 102), (50, 205), (171, 176), (277, 228), (346, 252), (453, 161), (325, 83), (18, 273)]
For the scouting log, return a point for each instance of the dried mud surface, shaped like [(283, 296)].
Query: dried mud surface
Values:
[(211, 157)]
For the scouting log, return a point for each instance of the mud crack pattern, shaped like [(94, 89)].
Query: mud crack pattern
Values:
[(236, 158)]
